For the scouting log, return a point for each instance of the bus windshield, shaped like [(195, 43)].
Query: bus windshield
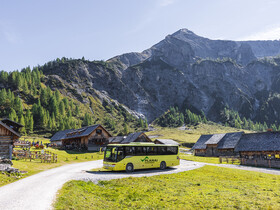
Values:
[(113, 154)]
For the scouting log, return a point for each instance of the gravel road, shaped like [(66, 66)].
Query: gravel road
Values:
[(39, 191)]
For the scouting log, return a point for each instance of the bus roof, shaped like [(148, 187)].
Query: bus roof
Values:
[(140, 144)]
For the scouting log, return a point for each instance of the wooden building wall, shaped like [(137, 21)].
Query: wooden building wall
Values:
[(227, 152), (6, 139), (211, 150), (143, 138), (269, 159), (200, 152), (92, 142)]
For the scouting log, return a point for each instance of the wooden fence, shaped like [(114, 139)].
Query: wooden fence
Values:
[(45, 157), (231, 160)]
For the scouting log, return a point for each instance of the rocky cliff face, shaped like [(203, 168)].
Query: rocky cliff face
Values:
[(188, 71)]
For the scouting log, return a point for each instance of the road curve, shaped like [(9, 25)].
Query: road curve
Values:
[(39, 191)]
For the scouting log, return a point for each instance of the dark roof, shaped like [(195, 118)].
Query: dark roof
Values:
[(267, 141), (167, 141), (8, 122), (200, 144), (131, 137), (60, 134), (10, 129), (75, 133), (116, 139), (215, 138), (230, 140)]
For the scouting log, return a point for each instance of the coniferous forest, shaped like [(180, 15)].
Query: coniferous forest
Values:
[(175, 118), (26, 99)]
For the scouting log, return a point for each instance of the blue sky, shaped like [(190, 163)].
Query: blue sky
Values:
[(33, 32)]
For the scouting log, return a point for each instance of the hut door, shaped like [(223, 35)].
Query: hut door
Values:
[(212, 151)]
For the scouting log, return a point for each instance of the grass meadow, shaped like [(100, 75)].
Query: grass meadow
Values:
[(207, 187)]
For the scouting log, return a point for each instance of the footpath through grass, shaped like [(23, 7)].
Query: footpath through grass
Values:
[(207, 187), (35, 166)]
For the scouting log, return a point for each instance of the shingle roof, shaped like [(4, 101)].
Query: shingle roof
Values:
[(116, 139), (215, 138), (131, 137), (200, 144), (5, 120), (10, 129), (168, 141), (60, 134), (230, 140), (267, 141), (74, 133)]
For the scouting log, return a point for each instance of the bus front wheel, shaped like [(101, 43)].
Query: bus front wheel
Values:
[(129, 168), (162, 165)]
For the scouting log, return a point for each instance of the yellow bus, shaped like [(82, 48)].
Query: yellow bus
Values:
[(119, 157)]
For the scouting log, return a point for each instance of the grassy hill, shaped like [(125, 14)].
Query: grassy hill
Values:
[(190, 134)]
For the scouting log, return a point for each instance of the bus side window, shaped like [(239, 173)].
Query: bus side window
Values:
[(144, 150), (162, 150), (172, 150), (139, 151), (129, 151), (151, 150)]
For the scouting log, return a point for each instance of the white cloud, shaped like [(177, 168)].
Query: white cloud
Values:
[(268, 34)]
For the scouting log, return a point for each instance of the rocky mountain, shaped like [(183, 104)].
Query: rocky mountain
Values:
[(187, 71)]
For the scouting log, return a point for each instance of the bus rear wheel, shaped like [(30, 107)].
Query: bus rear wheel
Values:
[(162, 165), (129, 168)]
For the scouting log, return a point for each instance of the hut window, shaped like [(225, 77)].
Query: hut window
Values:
[(98, 131)]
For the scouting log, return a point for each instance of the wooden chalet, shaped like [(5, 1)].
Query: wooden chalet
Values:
[(133, 137), (90, 138), (260, 149), (166, 142), (217, 145), (199, 147), (9, 133)]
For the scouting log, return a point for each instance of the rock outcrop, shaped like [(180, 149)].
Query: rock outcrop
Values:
[(189, 71)]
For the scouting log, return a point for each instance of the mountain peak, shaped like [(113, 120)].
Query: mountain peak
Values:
[(184, 32)]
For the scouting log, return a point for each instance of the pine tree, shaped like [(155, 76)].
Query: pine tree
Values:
[(22, 121), (125, 129), (62, 108)]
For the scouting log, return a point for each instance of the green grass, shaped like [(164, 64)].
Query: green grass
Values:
[(192, 133), (207, 187), (35, 166), (200, 159)]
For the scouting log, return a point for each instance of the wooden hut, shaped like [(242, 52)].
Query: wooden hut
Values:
[(217, 144), (133, 137), (212, 145), (199, 147), (91, 138), (8, 135), (260, 149), (228, 143)]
